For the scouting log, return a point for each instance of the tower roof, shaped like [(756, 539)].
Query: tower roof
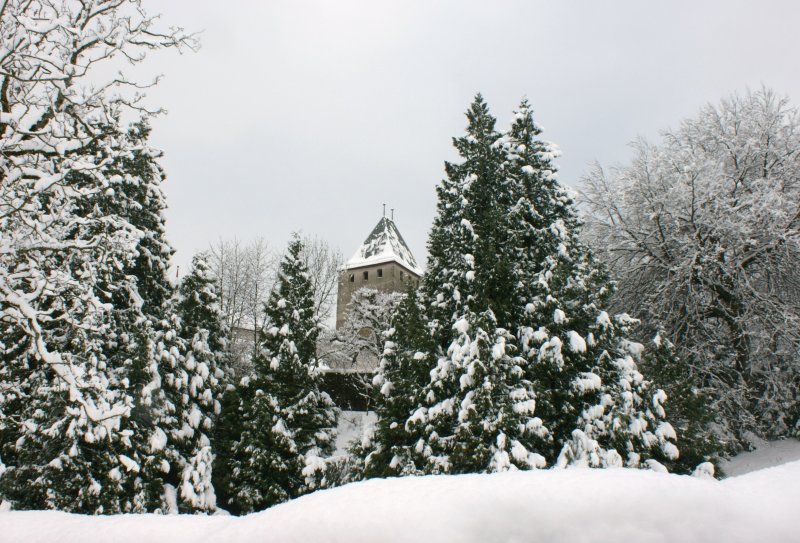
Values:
[(384, 244)]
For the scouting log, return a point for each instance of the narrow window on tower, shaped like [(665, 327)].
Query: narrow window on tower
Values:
[(380, 273), (352, 278), (366, 276), (402, 276)]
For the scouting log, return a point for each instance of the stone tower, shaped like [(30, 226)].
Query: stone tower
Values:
[(383, 262)]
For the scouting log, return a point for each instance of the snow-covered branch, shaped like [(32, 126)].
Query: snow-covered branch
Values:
[(60, 134)]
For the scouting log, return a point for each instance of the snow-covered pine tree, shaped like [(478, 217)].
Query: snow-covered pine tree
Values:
[(288, 422), (516, 308), (205, 336), (173, 368), (489, 425), (596, 405), (403, 372), (476, 411), (145, 345), (144, 360), (448, 285), (145, 317)]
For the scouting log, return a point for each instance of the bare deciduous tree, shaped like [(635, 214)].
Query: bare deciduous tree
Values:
[(703, 234), (245, 275), (323, 262), (355, 349)]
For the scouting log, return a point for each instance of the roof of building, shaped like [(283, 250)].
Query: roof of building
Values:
[(384, 244)]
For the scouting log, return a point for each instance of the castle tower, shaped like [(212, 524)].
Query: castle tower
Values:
[(383, 262)]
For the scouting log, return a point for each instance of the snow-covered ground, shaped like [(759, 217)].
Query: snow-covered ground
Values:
[(574, 505), (766, 454)]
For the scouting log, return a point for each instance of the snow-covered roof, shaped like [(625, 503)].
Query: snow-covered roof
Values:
[(384, 244)]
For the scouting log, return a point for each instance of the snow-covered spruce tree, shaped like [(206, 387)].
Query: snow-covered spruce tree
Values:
[(146, 348), (488, 425), (388, 448), (205, 337), (172, 386), (476, 411), (143, 343), (72, 436), (448, 285), (516, 308), (597, 407), (701, 233), (163, 372), (288, 423)]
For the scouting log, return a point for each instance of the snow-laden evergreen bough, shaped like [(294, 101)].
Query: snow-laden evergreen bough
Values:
[(524, 367), (83, 288), (285, 422), (701, 232)]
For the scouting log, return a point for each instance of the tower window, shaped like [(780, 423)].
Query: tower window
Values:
[(366, 276), (402, 276), (352, 278), (380, 273)]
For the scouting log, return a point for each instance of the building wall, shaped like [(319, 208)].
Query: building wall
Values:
[(393, 278)]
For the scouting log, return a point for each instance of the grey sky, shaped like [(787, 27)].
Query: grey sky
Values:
[(308, 115)]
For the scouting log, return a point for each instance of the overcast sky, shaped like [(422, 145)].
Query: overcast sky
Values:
[(308, 115)]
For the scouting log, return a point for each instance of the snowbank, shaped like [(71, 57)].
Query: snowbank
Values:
[(576, 505)]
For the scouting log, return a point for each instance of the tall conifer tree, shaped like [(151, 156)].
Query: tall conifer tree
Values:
[(527, 369), (475, 412), (402, 373), (205, 338), (590, 394), (448, 283), (288, 422), (63, 460)]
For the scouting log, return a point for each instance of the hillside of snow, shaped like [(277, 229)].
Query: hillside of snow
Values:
[(574, 505)]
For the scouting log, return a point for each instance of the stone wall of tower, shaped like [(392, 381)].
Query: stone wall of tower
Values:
[(386, 277)]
